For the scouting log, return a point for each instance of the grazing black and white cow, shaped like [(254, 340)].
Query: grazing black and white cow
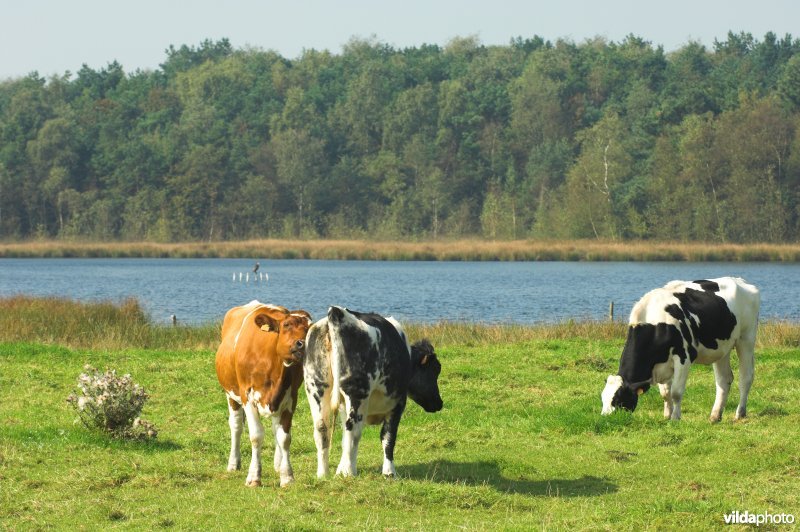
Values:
[(683, 323), (362, 365)]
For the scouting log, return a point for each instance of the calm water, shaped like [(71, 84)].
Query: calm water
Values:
[(201, 290)]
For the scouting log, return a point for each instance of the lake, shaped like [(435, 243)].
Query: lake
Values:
[(201, 290)]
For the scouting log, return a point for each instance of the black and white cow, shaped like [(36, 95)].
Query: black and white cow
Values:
[(671, 328), (362, 365)]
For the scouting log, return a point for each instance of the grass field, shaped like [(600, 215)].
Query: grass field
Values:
[(457, 250), (519, 444)]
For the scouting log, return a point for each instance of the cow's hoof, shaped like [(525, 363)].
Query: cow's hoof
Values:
[(253, 483), (234, 467), (714, 419), (285, 481)]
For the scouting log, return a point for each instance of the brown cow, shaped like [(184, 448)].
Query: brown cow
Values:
[(258, 365)]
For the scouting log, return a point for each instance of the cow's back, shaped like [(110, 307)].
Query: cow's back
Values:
[(726, 309)]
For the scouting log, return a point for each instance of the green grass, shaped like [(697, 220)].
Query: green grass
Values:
[(520, 444)]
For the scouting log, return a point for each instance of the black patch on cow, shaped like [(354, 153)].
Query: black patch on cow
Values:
[(716, 320), (352, 419), (646, 346), (362, 358), (389, 430), (708, 286), (687, 332)]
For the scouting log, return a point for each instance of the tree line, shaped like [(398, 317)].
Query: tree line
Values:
[(536, 139)]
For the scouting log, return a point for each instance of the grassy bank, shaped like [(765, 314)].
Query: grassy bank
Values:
[(102, 325), (520, 443), (459, 250)]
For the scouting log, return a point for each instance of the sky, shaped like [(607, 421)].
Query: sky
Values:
[(56, 36)]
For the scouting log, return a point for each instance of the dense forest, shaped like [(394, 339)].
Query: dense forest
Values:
[(535, 139)]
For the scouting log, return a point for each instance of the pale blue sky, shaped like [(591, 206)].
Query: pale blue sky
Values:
[(53, 36)]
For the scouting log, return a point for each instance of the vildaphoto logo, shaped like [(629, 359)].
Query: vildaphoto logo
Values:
[(746, 518)]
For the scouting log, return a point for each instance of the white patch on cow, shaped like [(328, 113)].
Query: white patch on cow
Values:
[(254, 398), (256, 442), (281, 461), (613, 383), (236, 424), (233, 396), (663, 372), (388, 465), (400, 330)]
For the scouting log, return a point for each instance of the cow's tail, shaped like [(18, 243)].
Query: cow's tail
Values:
[(336, 368)]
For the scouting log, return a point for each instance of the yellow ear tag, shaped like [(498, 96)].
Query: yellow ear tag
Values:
[(639, 391), (265, 327)]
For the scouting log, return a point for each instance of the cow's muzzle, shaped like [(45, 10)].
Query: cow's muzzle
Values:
[(298, 352)]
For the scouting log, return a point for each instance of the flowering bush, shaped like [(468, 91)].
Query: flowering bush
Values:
[(111, 403)]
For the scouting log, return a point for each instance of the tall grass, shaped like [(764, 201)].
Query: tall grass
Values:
[(96, 325), (452, 250), (105, 325)]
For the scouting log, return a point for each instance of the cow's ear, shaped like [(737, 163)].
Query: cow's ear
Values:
[(269, 320), (424, 350)]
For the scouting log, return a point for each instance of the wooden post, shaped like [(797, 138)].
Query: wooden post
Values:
[(611, 311)]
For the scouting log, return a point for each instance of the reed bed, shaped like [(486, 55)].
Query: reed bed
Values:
[(451, 250), (94, 325), (105, 325)]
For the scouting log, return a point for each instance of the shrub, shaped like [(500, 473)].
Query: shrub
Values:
[(110, 403)]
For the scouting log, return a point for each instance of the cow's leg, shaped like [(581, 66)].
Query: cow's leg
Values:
[(282, 427), (724, 377), (278, 457), (745, 349), (352, 425), (389, 437), (256, 442), (664, 389), (678, 387), (319, 403), (236, 423)]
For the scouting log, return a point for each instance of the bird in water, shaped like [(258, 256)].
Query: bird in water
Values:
[(256, 267)]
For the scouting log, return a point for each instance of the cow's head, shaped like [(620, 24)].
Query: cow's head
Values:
[(423, 387), (291, 327), (621, 394)]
